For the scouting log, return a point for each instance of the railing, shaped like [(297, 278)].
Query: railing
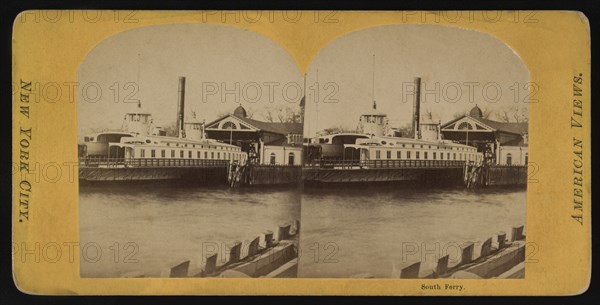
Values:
[(150, 162), (350, 164)]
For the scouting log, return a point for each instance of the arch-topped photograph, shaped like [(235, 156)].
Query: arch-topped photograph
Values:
[(412, 132)]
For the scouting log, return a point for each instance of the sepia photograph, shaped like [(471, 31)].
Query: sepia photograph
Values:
[(401, 152), (190, 151), (416, 157)]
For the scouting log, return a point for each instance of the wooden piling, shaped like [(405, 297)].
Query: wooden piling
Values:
[(267, 239), (178, 269), (501, 240), (210, 264), (442, 265), (253, 246), (486, 248), (235, 252), (297, 227), (284, 231), (467, 254), (517, 233), (411, 272)]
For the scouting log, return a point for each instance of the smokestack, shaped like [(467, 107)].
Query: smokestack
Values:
[(417, 109), (181, 108)]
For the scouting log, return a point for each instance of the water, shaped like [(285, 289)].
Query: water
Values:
[(143, 227), (355, 230), (345, 230)]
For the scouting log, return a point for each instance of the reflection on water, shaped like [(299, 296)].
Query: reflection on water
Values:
[(353, 230), (144, 226)]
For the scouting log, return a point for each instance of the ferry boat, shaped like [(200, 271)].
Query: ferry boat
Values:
[(141, 143), (376, 145)]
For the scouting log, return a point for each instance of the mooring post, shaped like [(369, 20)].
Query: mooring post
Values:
[(517, 233), (253, 246), (234, 252), (297, 227), (210, 264), (467, 254), (501, 239), (442, 265), (267, 239), (486, 247), (284, 231), (411, 272), (178, 269)]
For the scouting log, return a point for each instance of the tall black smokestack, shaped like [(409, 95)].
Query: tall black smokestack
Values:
[(417, 109), (181, 108)]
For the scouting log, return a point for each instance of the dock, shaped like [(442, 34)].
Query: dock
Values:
[(267, 255), (493, 258)]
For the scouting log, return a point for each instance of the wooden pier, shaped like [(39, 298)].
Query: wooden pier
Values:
[(268, 255), (494, 258), (260, 174)]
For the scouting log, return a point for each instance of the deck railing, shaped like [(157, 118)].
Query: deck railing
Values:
[(350, 164), (150, 162)]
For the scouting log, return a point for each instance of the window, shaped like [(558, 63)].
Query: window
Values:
[(399, 154), (218, 155), (291, 158), (435, 155), (454, 156), (425, 155), (181, 154), (448, 156), (212, 154), (526, 157), (172, 153), (509, 159), (189, 154), (163, 153), (408, 155), (143, 153), (377, 154), (198, 155), (153, 153), (465, 125), (206, 155), (272, 161), (229, 125), (389, 154), (417, 155)]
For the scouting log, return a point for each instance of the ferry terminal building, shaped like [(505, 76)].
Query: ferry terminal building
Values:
[(502, 143), (267, 143)]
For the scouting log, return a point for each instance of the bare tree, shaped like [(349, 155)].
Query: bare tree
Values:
[(513, 113), (282, 114), (333, 130)]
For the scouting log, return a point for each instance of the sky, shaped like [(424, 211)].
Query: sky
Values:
[(145, 64), (468, 68), (459, 68)]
